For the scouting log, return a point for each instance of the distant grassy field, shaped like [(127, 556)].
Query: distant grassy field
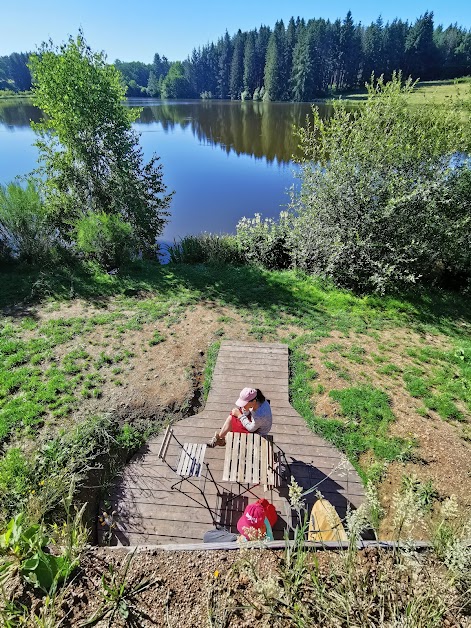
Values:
[(429, 92)]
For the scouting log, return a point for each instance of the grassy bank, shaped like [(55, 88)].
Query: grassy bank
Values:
[(426, 92), (8, 93)]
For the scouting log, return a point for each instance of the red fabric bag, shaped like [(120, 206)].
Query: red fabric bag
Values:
[(270, 511)]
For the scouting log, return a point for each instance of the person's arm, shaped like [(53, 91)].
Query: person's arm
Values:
[(249, 423)]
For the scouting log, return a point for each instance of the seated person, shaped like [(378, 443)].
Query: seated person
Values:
[(252, 414)]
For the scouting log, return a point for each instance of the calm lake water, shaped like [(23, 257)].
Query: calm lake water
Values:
[(224, 159)]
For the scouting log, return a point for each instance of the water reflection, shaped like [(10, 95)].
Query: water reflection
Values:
[(261, 130), (18, 112)]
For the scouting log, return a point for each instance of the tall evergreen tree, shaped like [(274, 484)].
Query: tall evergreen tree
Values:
[(394, 46), (290, 42), (236, 85), (420, 49), (250, 77), (373, 44), (261, 44), (224, 66), (18, 72), (350, 53), (301, 67), (275, 71)]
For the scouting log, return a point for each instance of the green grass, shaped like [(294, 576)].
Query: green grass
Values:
[(428, 92), (366, 409), (211, 358)]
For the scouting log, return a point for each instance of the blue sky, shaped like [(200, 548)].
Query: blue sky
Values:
[(135, 31)]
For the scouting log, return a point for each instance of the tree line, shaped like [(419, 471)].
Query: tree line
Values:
[(298, 62)]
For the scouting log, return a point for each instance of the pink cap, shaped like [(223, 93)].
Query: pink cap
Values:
[(246, 395), (253, 517)]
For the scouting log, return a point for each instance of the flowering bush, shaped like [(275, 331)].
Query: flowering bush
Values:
[(265, 241)]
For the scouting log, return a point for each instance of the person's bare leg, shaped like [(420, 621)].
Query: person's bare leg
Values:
[(219, 437), (226, 427)]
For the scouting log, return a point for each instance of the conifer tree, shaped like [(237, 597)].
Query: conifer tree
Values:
[(236, 84), (274, 65), (224, 66), (420, 49), (250, 79)]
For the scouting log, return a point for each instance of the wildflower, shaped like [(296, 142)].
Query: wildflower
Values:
[(295, 493), (449, 508), (357, 521), (268, 587), (216, 574)]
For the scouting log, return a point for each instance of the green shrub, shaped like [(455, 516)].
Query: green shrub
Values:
[(265, 242), (105, 238), (24, 229), (381, 205), (23, 548), (206, 248)]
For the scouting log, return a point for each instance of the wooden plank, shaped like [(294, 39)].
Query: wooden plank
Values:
[(145, 517), (261, 361), (181, 462), (230, 395), (253, 350), (264, 463), (268, 382), (190, 457), (164, 442), (235, 457), (241, 460), (224, 405), (271, 465), (202, 454), (240, 343), (227, 458), (279, 371), (256, 459), (190, 447), (249, 458), (279, 413)]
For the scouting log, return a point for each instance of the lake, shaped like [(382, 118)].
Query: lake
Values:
[(224, 159)]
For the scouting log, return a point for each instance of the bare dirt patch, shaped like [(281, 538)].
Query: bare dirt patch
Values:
[(138, 377)]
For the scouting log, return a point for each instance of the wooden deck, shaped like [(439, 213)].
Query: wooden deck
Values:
[(150, 512)]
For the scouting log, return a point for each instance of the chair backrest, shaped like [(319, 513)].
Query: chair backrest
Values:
[(165, 442)]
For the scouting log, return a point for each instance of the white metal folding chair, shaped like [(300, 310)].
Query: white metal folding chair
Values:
[(189, 467)]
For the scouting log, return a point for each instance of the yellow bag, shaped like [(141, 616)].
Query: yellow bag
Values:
[(325, 524)]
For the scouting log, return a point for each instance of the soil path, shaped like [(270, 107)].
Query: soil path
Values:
[(149, 512)]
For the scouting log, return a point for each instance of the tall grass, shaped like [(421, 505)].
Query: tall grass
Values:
[(206, 248), (24, 229)]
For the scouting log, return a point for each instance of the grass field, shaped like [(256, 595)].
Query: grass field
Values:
[(428, 92)]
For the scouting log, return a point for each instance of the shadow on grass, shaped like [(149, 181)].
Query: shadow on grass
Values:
[(311, 301)]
